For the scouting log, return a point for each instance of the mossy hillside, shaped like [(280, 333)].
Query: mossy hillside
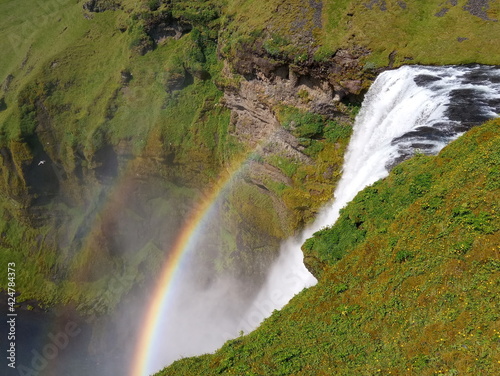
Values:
[(415, 294), (292, 34), (432, 204), (91, 90), (379, 33), (83, 95), (91, 257), (324, 141), (94, 92), (154, 103), (423, 32)]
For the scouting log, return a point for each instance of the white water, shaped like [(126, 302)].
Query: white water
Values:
[(408, 109)]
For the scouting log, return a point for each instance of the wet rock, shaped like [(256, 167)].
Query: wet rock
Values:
[(424, 79), (106, 162)]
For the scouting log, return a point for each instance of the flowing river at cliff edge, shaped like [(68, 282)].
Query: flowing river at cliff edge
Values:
[(410, 109)]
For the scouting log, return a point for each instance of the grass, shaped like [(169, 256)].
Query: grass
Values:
[(414, 295), (403, 28), (408, 30)]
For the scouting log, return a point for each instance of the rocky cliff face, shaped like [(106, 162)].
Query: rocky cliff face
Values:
[(95, 158)]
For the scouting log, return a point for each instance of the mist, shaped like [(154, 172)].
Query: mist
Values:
[(208, 304)]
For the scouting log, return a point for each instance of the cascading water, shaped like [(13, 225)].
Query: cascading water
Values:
[(411, 109), (406, 110)]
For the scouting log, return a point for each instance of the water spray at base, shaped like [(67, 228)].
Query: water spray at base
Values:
[(411, 109)]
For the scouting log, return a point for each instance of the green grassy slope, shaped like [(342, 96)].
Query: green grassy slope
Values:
[(413, 31), (76, 67), (74, 84), (412, 291)]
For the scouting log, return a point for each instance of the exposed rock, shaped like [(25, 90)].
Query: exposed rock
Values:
[(260, 173), (142, 45), (353, 86), (253, 102), (478, 8), (376, 3), (253, 119), (164, 26), (442, 12), (126, 77), (248, 62), (317, 5), (313, 264), (178, 80), (252, 62), (6, 83), (106, 164)]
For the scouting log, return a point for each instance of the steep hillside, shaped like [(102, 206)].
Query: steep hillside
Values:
[(117, 117), (408, 280)]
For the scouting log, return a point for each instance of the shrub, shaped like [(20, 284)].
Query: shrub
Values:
[(421, 184), (153, 4), (404, 255)]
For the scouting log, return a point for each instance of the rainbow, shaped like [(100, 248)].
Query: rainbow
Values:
[(179, 250)]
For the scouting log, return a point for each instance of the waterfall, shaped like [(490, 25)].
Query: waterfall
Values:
[(411, 109)]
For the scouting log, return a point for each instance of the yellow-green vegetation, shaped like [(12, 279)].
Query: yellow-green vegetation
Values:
[(323, 140), (413, 31), (409, 281), (416, 31), (122, 102), (79, 89)]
